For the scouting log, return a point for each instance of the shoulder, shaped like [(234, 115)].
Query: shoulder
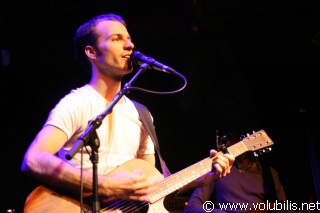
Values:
[(136, 103), (84, 94), (142, 109), (139, 105), (79, 100)]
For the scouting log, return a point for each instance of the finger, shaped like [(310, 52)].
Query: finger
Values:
[(143, 198), (217, 170), (213, 152), (227, 160), (142, 185), (221, 167)]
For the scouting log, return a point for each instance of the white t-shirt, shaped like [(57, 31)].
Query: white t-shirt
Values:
[(122, 135)]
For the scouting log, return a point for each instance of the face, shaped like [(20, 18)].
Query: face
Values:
[(113, 50)]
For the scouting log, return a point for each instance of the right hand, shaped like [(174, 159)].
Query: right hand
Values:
[(127, 185)]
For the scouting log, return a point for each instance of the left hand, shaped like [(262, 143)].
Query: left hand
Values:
[(221, 166)]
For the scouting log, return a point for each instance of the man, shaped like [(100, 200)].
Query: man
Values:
[(103, 45)]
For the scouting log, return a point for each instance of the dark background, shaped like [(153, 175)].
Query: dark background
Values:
[(250, 65)]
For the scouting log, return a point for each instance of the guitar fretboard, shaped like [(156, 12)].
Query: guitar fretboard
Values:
[(181, 178)]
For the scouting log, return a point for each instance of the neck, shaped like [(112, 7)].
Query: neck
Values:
[(106, 88)]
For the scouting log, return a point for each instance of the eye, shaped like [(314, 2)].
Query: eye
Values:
[(116, 38)]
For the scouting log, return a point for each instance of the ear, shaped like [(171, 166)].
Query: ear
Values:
[(91, 53)]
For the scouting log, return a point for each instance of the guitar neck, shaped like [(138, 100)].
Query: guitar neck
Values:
[(237, 149), (189, 174), (177, 180)]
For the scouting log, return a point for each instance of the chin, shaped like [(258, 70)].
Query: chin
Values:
[(126, 71)]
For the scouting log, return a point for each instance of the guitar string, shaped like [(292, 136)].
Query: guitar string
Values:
[(125, 206), (128, 207)]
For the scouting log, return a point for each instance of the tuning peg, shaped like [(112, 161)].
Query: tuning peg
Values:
[(269, 149), (262, 151)]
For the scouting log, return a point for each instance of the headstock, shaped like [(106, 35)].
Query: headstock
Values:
[(257, 142)]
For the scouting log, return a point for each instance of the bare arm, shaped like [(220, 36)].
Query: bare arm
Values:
[(41, 162)]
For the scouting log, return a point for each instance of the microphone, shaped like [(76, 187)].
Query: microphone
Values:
[(139, 58)]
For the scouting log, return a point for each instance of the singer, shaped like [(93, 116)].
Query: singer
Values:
[(126, 167)]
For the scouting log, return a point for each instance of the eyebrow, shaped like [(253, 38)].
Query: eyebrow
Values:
[(120, 35)]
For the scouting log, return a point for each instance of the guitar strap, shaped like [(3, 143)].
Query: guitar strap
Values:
[(147, 121)]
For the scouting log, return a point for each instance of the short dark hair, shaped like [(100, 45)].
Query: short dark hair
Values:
[(85, 35)]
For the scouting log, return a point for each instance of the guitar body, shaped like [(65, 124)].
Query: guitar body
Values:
[(45, 200)]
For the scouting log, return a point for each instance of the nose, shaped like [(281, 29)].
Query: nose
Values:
[(129, 45)]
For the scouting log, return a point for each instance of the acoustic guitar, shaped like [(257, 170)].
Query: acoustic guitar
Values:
[(44, 199)]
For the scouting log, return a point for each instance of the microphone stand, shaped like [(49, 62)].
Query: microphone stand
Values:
[(90, 138)]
